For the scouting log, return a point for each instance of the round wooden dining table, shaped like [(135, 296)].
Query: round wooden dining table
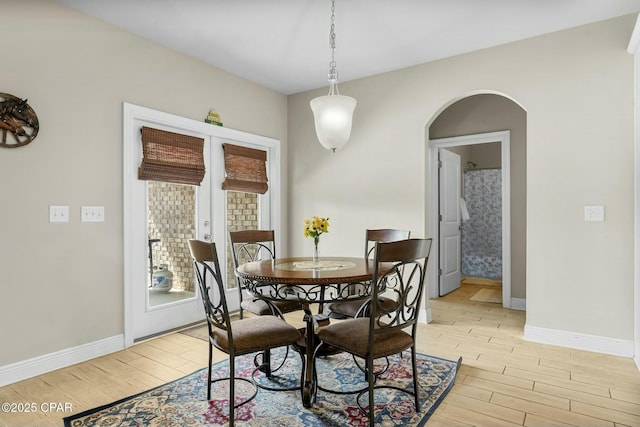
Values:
[(301, 279)]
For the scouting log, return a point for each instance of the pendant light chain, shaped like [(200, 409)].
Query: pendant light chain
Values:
[(333, 113), (333, 73)]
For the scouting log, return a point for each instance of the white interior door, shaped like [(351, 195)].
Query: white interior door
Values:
[(450, 222)]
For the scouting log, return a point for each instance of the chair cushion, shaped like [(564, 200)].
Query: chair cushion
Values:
[(261, 308), (351, 336), (347, 308), (257, 333), (350, 308)]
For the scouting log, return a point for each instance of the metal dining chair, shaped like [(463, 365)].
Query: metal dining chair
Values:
[(355, 308), (387, 332), (237, 338), (256, 245)]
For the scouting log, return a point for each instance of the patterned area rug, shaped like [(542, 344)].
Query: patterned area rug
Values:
[(183, 402)]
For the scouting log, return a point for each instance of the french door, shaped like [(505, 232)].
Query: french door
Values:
[(156, 242), (163, 294)]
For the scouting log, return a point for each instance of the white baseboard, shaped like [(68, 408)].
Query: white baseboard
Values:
[(50, 362), (425, 315), (518, 304), (598, 344)]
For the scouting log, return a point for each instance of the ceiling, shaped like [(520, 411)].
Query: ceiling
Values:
[(284, 44)]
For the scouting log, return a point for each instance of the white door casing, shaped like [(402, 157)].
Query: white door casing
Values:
[(634, 49), (450, 222)]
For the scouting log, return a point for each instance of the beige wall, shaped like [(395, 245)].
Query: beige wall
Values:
[(62, 284), (483, 155), (491, 113), (487, 156), (577, 88)]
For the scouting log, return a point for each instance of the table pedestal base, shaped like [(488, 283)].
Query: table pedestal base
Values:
[(308, 346)]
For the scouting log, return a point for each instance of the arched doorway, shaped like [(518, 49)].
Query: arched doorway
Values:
[(487, 113)]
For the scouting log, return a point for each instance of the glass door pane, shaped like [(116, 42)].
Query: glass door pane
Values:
[(243, 213), (171, 222)]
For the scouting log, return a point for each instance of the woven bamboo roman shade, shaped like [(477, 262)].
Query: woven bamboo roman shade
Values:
[(171, 157), (246, 169)]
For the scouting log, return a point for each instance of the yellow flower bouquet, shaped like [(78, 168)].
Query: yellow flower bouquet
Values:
[(314, 227)]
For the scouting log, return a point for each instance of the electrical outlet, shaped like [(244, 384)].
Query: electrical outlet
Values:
[(58, 213), (594, 213), (92, 213)]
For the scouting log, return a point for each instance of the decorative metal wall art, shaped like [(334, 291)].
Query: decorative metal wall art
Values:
[(18, 122)]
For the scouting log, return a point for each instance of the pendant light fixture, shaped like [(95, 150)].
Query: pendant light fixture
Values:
[(333, 113)]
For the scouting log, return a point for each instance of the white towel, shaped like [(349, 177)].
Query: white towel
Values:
[(464, 212)]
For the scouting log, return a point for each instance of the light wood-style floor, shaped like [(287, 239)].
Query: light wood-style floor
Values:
[(503, 381)]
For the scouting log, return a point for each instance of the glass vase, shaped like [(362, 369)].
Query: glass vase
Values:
[(316, 257)]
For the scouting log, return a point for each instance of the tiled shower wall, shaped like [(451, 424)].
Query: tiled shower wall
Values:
[(482, 233), (172, 220)]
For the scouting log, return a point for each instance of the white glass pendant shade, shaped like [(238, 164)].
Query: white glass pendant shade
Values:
[(333, 115)]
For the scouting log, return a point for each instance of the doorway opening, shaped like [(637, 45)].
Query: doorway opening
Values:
[(482, 220), (443, 257)]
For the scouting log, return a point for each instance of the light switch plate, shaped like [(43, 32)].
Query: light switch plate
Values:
[(58, 213), (92, 213), (594, 213)]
